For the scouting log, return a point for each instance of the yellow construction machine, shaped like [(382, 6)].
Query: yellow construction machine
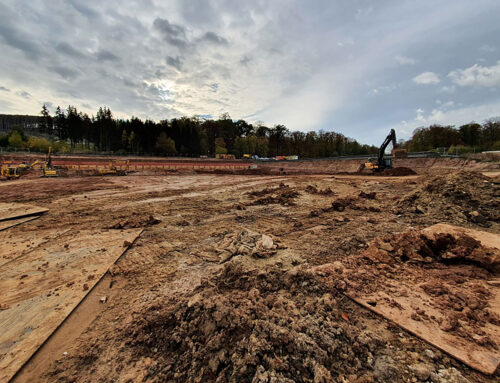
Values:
[(9, 172), (115, 167), (47, 169)]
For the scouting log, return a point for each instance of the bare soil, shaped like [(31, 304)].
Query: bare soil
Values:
[(238, 277)]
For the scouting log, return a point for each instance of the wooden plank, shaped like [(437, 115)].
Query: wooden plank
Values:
[(13, 246), (402, 297), (41, 288), (16, 210), (4, 225), (472, 354)]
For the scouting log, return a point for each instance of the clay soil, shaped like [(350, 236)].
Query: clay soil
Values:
[(238, 278)]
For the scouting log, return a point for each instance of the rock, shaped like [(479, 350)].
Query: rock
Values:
[(384, 369), (430, 354), (267, 242), (448, 375), (449, 323), (126, 243), (104, 299), (419, 209), (422, 371)]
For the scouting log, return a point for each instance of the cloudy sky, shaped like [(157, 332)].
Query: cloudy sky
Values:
[(359, 67)]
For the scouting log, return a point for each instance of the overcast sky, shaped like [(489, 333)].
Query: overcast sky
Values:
[(359, 67)]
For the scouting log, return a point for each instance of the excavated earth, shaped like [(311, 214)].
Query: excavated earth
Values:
[(241, 278)]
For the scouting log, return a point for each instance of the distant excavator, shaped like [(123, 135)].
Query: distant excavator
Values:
[(383, 163)]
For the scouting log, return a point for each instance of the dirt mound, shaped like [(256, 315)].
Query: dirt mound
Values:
[(134, 222), (243, 242), (266, 191), (311, 189), (397, 172), (340, 204), (456, 197), (252, 326), (369, 195), (419, 246), (283, 195)]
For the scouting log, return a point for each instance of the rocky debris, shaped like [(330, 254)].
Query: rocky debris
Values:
[(448, 375), (385, 369), (456, 197), (254, 326), (422, 371), (314, 190), (428, 247), (134, 222), (241, 243)]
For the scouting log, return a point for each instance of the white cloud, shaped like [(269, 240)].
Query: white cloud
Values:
[(477, 75), (457, 116), (403, 60), (426, 78), (487, 48), (448, 89)]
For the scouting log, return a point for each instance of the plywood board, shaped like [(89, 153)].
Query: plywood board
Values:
[(4, 225), (41, 288), (18, 244), (447, 304), (469, 352), (17, 210)]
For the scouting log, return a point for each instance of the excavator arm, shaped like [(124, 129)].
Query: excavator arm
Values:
[(391, 137)]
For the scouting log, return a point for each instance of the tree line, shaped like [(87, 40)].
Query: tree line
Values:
[(472, 137), (187, 136), (71, 130)]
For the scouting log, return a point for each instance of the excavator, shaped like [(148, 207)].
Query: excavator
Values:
[(382, 163), (9, 172), (47, 169)]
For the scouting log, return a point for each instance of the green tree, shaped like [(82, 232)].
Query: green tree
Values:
[(16, 140), (125, 142), (165, 144)]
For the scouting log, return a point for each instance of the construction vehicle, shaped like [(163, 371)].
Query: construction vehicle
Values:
[(115, 167), (47, 169), (9, 172), (382, 163)]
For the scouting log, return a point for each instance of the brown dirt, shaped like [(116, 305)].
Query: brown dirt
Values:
[(311, 189), (196, 298), (450, 268), (457, 197), (397, 172), (283, 195), (247, 326)]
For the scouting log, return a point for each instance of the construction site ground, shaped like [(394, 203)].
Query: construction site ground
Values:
[(247, 278)]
